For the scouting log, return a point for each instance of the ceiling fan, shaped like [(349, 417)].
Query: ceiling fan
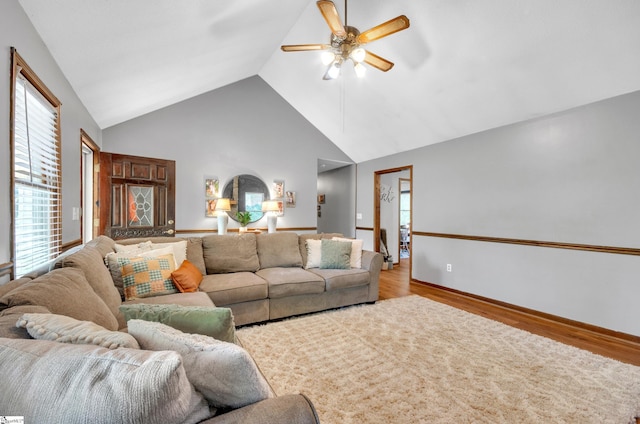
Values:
[(346, 42)]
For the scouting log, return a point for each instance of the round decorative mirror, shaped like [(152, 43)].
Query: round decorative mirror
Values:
[(246, 192)]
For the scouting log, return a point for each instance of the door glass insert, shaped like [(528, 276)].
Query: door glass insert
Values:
[(140, 200)]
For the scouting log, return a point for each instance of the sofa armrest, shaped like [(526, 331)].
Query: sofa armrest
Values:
[(372, 262), (288, 409)]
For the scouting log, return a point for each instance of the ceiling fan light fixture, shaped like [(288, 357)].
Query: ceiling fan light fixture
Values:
[(346, 41), (334, 70), (327, 57), (358, 54)]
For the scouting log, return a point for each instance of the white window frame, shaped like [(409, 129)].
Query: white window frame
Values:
[(36, 170)]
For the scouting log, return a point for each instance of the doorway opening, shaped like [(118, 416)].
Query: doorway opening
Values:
[(388, 210), (90, 156), (404, 205)]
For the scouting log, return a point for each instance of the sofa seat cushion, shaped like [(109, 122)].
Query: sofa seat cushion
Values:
[(227, 289), (184, 299), (337, 279), (285, 282), (50, 382)]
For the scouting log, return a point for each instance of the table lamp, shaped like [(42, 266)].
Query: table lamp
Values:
[(271, 208), (222, 207)]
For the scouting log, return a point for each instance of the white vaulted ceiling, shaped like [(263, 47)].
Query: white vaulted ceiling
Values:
[(462, 67)]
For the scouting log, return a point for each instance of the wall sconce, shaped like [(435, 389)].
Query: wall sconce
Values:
[(222, 207), (271, 209)]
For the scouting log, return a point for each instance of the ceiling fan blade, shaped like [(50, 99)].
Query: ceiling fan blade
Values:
[(330, 14), (377, 62), (304, 47), (387, 28)]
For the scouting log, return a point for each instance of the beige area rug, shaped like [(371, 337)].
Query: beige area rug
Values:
[(413, 360)]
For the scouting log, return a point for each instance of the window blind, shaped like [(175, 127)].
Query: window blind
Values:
[(37, 221)]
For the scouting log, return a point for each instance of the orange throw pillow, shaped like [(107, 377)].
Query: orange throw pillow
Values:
[(187, 278)]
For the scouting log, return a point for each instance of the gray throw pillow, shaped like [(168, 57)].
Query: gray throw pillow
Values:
[(223, 372), (63, 329), (49, 382), (335, 254), (209, 321)]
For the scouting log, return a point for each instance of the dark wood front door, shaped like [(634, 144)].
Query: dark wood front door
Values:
[(137, 196)]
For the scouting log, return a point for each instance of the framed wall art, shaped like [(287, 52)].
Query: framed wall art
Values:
[(210, 208), (290, 197), (211, 187)]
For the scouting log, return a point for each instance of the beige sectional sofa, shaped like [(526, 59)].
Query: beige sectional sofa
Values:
[(257, 277), (263, 277)]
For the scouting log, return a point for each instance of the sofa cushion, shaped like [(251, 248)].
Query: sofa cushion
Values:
[(223, 372), (314, 253), (147, 276), (63, 329), (132, 251), (49, 382), (285, 282), (64, 291), (184, 299), (227, 289), (302, 242), (104, 245), (230, 253), (10, 316), (209, 321), (194, 247), (187, 277), (336, 279), (178, 248), (278, 250), (7, 287), (356, 251), (91, 262), (335, 254)]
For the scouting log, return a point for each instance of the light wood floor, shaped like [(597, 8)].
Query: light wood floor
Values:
[(395, 283)]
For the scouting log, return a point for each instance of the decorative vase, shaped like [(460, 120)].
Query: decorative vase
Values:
[(242, 229)]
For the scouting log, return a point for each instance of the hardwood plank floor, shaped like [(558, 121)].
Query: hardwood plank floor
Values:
[(395, 283)]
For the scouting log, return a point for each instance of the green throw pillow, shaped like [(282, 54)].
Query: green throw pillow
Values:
[(209, 321), (335, 254)]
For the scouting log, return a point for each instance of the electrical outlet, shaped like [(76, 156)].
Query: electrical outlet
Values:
[(448, 267)]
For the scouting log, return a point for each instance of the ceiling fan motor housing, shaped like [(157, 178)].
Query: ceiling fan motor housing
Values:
[(343, 46)]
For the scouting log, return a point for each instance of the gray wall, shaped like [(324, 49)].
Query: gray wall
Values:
[(339, 188), (570, 177), (16, 31), (243, 128)]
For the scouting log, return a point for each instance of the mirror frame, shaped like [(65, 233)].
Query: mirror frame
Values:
[(237, 188)]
